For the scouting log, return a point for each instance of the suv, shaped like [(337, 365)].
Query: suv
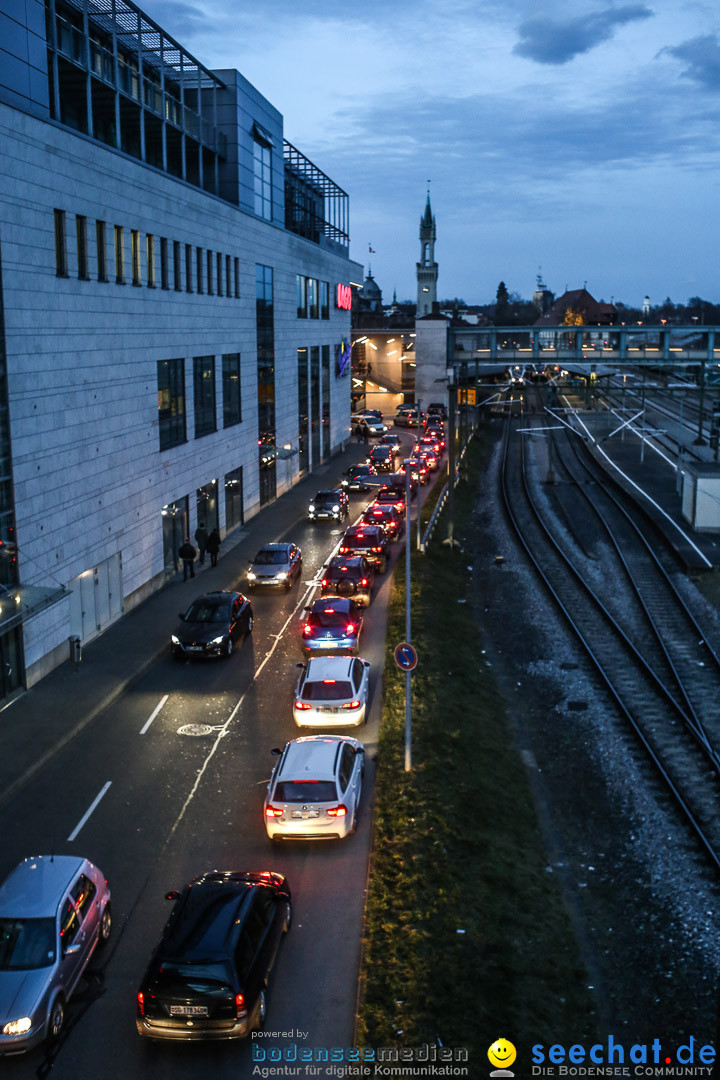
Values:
[(314, 791), (329, 506), (206, 979), (370, 541), (437, 408), (362, 424), (349, 576), (395, 484), (407, 416), (383, 458), (418, 470), (54, 911), (387, 515)]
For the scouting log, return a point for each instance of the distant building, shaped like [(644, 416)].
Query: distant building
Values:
[(542, 297), (578, 308)]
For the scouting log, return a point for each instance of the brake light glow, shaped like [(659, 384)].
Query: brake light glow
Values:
[(364, 581), (307, 629), (376, 549), (343, 549), (329, 682), (141, 1003), (337, 811), (324, 582), (329, 611), (273, 811), (240, 1009), (351, 705), (350, 628), (302, 705)]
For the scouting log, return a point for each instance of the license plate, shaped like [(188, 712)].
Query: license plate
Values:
[(194, 648), (327, 708), (305, 814), (188, 1010)]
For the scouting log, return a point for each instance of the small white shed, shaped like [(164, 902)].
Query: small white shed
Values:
[(701, 495)]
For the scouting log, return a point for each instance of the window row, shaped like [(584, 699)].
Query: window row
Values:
[(182, 267), (313, 298), (171, 397)]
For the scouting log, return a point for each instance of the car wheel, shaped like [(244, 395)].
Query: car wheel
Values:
[(288, 917), (248, 628), (105, 924), (228, 647), (57, 1020)]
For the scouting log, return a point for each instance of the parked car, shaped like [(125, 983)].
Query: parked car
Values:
[(275, 566), (332, 505), (351, 576), (315, 788), (382, 458), (54, 911), (208, 976), (369, 540), (211, 625), (332, 691), (359, 478), (333, 625)]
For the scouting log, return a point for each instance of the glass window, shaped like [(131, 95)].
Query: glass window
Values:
[(150, 257), (188, 268), (312, 294), (82, 247), (177, 269), (237, 278), (301, 297), (210, 272), (204, 387), (232, 410), (324, 300), (171, 403), (119, 255), (69, 925), (135, 256), (101, 250), (26, 944), (61, 261), (262, 176), (199, 269), (83, 893), (219, 260), (266, 380), (346, 766), (233, 498), (325, 361), (302, 382), (228, 276), (164, 268)]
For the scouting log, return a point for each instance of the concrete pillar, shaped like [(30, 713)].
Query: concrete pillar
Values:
[(431, 359)]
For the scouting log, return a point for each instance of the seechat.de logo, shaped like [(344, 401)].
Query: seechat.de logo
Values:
[(501, 1054)]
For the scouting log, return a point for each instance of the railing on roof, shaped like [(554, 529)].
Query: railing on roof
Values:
[(314, 204)]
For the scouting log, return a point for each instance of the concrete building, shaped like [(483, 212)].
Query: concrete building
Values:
[(174, 315)]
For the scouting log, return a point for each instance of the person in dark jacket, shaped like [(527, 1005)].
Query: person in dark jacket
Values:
[(201, 539), (213, 546), (187, 553)]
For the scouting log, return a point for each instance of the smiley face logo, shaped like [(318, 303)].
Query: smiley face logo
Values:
[(502, 1053)]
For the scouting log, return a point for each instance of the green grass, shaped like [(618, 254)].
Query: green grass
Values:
[(457, 846)]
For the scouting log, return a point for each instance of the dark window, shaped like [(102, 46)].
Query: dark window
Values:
[(302, 382), (262, 176), (306, 791), (164, 268), (69, 926), (228, 276), (150, 257), (199, 269), (233, 498), (315, 404), (83, 893), (346, 765), (324, 300), (232, 402), (135, 256), (82, 247), (119, 255), (204, 387), (188, 268), (219, 260), (101, 249), (325, 419), (312, 294), (177, 269), (237, 278), (210, 272), (61, 260), (266, 381), (358, 672), (171, 402), (301, 297)]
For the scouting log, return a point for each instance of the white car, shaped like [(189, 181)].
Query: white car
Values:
[(332, 691), (314, 791), (371, 424)]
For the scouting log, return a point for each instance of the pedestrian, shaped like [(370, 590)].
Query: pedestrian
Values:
[(201, 539), (213, 546), (366, 435), (187, 553), (358, 434)]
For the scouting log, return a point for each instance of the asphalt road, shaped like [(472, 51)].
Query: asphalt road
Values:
[(175, 805)]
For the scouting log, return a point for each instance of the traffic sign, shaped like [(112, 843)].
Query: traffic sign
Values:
[(405, 656)]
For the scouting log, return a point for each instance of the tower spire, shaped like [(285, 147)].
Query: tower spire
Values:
[(427, 268)]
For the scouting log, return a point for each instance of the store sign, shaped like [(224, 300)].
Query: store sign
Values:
[(344, 297), (342, 358)]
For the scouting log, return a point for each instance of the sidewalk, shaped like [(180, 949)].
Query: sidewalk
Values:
[(48, 716)]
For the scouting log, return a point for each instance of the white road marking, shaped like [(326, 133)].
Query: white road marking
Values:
[(153, 714), (88, 812)]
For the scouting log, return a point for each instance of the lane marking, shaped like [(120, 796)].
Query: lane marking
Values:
[(153, 714), (88, 812)]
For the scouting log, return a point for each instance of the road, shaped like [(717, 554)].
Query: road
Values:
[(167, 805)]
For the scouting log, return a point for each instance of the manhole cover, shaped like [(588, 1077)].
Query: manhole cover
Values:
[(195, 729)]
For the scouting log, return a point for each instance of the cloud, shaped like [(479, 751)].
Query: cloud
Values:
[(702, 59), (551, 41)]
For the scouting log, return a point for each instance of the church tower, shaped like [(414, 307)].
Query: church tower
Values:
[(427, 268)]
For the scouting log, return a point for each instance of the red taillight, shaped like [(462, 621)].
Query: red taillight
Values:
[(343, 549), (141, 1003), (364, 582), (302, 705), (399, 505), (324, 582), (307, 629), (273, 811), (376, 549), (351, 705), (350, 628), (337, 811), (329, 682), (240, 1009)]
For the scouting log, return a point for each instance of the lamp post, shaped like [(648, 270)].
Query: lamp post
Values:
[(408, 677)]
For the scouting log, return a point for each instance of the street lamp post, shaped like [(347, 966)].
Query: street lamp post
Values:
[(408, 677)]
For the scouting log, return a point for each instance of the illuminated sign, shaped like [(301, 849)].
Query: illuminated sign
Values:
[(342, 358), (344, 297)]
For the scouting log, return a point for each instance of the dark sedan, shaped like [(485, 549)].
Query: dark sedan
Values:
[(207, 978), (382, 458), (211, 625), (359, 478)]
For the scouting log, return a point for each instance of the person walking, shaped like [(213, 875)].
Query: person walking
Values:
[(187, 553), (201, 539), (366, 434), (213, 546)]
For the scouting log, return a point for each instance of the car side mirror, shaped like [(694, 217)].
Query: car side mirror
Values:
[(276, 751), (172, 895), (367, 663)]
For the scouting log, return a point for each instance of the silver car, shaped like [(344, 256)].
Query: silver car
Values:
[(332, 691), (314, 791), (54, 910), (275, 566)]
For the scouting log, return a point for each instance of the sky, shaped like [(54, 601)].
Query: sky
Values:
[(578, 140)]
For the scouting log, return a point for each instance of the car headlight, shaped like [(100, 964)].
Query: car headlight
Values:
[(218, 640), (335, 508), (251, 576), (311, 509), (18, 1027), (344, 483), (281, 575), (175, 640)]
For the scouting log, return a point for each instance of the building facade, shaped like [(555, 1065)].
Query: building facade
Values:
[(174, 331)]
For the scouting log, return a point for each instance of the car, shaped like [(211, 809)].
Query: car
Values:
[(418, 470), (208, 975), (211, 625), (332, 691), (54, 911), (369, 540), (393, 442), (275, 566), (437, 408), (332, 505), (359, 478), (315, 788), (387, 516), (372, 414), (428, 456), (361, 424), (333, 625), (407, 416), (382, 458), (396, 485), (429, 442), (349, 576)]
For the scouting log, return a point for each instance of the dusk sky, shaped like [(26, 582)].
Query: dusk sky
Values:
[(581, 138)]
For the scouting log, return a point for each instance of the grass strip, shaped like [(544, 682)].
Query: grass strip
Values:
[(466, 937)]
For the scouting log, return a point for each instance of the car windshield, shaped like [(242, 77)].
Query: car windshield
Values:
[(326, 690), (205, 976), (306, 791), (326, 497), (26, 944), (270, 557), (208, 611), (361, 542), (381, 452), (329, 618)]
